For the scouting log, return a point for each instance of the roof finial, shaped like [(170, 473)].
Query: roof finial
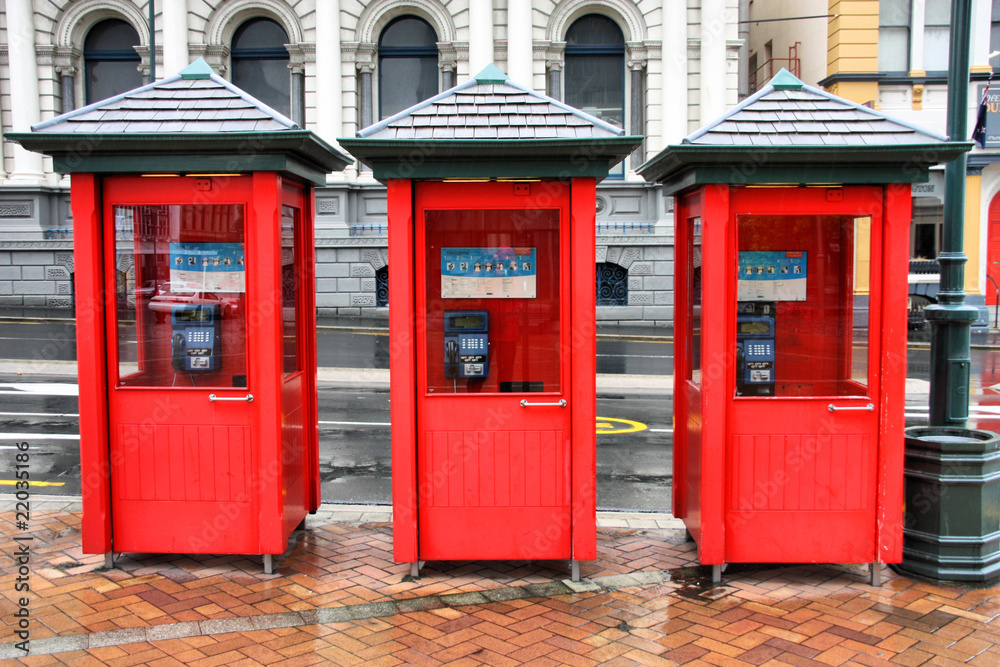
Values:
[(199, 69), (785, 80), (491, 74)]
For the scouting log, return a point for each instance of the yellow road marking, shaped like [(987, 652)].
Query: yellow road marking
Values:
[(605, 426), (11, 482)]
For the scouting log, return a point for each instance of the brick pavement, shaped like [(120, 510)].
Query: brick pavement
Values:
[(337, 598)]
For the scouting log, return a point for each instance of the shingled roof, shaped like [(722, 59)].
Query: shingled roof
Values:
[(193, 116), (195, 100), (493, 127), (796, 133)]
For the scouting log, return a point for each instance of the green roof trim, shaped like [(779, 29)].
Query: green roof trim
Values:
[(301, 151), (199, 69), (491, 74), (678, 167), (527, 158), (785, 80), (681, 167)]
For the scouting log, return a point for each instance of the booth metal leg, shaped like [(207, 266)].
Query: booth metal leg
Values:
[(301, 526), (574, 570), (268, 564), (415, 568), (716, 574), (876, 571), (109, 560)]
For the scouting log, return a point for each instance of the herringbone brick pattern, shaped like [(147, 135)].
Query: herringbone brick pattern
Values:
[(205, 611)]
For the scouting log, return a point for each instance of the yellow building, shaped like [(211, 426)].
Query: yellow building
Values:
[(892, 55)]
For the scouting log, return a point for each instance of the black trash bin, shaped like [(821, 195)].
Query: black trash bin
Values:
[(952, 489)]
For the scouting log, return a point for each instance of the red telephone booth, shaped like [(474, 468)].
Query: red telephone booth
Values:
[(792, 220), (195, 310), (492, 244)]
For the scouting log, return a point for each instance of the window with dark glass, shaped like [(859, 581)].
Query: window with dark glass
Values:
[(407, 65), (260, 63), (612, 285), (111, 62), (894, 35), (382, 287), (595, 68)]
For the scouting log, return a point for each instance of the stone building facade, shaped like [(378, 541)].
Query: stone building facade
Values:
[(658, 68)]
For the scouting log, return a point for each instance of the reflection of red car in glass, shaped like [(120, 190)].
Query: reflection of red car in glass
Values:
[(173, 293)]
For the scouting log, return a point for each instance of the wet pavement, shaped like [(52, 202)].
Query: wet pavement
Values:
[(337, 598)]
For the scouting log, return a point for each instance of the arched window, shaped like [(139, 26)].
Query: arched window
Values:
[(111, 63), (612, 285), (407, 65), (595, 68), (260, 63)]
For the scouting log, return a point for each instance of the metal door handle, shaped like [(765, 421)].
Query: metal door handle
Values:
[(248, 398), (560, 404), (836, 408)]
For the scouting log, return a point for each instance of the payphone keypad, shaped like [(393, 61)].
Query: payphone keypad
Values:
[(199, 336)]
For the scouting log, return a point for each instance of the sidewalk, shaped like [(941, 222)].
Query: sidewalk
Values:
[(337, 598)]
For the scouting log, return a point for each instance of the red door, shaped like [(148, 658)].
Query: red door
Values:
[(993, 252), (493, 371), (803, 423), (180, 387)]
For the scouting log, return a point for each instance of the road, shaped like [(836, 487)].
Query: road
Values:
[(633, 468)]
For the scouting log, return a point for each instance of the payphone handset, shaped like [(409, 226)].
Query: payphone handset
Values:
[(755, 348), (196, 342), (466, 344)]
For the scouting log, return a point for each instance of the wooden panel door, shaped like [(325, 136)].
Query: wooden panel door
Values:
[(493, 425), (183, 462), (802, 473)]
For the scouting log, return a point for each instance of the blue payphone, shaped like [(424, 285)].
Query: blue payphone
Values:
[(466, 344), (755, 348), (196, 342)]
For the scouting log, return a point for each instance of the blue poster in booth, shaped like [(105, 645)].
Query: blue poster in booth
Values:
[(488, 273), (772, 275), (208, 267)]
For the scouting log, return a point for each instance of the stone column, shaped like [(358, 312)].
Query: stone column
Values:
[(297, 90), (175, 37), (480, 35), (554, 60), (713, 60), (329, 87), (24, 105), (366, 103), (637, 102), (674, 61), (554, 83), (519, 42), (67, 88), (447, 63)]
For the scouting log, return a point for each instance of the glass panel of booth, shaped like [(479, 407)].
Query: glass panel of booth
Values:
[(180, 295), (493, 301), (801, 309), (290, 278), (694, 297)]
